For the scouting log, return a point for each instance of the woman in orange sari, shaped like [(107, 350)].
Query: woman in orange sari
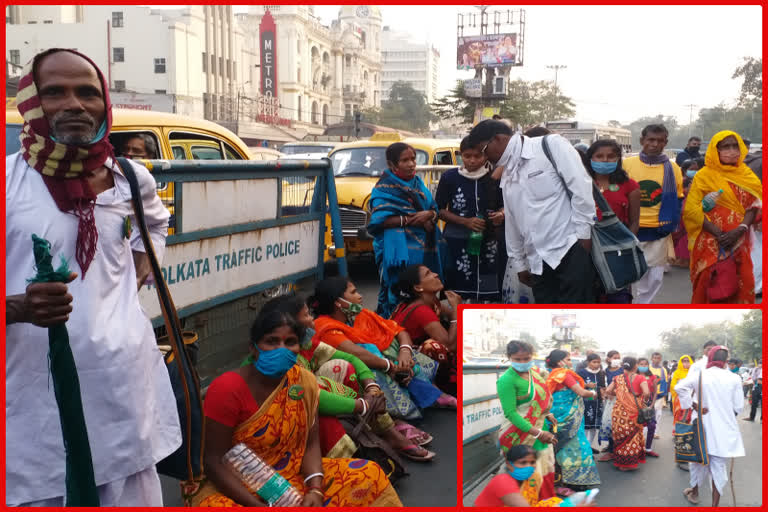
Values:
[(724, 230), (272, 407), (629, 444)]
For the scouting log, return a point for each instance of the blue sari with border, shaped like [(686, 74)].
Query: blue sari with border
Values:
[(573, 451), (396, 248)]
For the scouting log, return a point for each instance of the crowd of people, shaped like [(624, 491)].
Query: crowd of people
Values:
[(561, 423), (519, 212)]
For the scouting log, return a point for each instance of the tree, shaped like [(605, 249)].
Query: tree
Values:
[(751, 73), (455, 104), (526, 103), (689, 340), (636, 127), (748, 344), (406, 108), (528, 338)]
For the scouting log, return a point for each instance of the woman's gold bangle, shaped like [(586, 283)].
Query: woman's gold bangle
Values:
[(318, 492)]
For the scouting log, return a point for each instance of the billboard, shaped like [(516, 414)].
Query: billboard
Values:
[(490, 50), (483, 113), (564, 321)]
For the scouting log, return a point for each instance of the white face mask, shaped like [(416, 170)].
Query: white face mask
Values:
[(615, 363), (590, 370)]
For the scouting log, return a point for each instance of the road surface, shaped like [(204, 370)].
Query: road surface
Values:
[(659, 482)]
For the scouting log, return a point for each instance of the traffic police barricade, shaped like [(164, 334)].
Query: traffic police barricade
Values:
[(241, 228)]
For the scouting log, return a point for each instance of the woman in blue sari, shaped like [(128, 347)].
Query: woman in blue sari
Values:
[(403, 223), (573, 452)]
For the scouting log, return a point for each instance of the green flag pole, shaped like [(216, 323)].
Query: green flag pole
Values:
[(81, 484)]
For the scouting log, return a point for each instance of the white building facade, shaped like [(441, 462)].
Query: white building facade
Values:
[(187, 60), (404, 59), (324, 73)]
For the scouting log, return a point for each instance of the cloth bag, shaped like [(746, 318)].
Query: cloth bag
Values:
[(690, 440), (724, 279), (616, 251), (186, 463)]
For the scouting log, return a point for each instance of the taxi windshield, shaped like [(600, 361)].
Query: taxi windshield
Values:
[(366, 161)]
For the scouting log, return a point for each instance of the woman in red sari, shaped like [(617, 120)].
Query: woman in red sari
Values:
[(628, 441), (725, 230)]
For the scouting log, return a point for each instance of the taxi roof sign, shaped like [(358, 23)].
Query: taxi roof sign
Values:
[(387, 136)]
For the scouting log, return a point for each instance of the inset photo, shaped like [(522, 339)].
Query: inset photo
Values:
[(612, 408)]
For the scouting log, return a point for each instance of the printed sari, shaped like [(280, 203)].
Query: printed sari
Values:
[(679, 374), (629, 444), (396, 248), (531, 491), (572, 451), (533, 406), (742, 191), (606, 432), (278, 433), (377, 335)]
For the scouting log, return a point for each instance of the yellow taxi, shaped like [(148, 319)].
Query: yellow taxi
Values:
[(357, 166), (175, 137)]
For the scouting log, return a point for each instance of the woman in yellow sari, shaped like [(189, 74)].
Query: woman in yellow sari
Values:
[(679, 374), (272, 407), (725, 229)]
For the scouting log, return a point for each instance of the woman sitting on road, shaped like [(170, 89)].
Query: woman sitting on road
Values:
[(629, 444), (403, 223), (272, 406), (420, 314), (332, 367), (519, 485), (404, 375), (526, 402), (572, 451), (725, 231)]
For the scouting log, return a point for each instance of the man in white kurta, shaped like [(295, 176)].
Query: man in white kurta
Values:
[(721, 400), (128, 403)]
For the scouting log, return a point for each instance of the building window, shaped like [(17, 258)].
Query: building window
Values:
[(118, 54), (222, 70), (117, 19), (15, 57), (299, 110), (159, 65), (160, 91), (205, 63), (229, 69), (32, 22), (119, 85), (48, 22)]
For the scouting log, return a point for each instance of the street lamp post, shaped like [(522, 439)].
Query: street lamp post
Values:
[(556, 67)]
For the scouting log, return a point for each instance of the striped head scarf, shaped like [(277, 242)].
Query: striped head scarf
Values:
[(64, 167)]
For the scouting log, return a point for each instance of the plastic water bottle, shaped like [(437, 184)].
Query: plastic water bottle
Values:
[(475, 242), (261, 478), (710, 200)]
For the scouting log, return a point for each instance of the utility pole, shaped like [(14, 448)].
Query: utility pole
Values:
[(556, 67), (690, 118)]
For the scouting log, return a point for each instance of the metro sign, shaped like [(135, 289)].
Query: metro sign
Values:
[(268, 43)]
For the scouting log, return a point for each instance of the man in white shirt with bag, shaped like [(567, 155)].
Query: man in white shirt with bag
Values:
[(65, 187), (721, 400), (548, 233)]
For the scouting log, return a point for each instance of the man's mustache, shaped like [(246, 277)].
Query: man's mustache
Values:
[(65, 117)]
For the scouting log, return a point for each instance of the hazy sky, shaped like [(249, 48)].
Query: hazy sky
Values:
[(624, 330), (623, 62)]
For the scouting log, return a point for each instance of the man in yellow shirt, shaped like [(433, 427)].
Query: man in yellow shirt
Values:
[(661, 191)]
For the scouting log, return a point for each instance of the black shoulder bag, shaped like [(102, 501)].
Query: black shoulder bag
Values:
[(644, 414), (186, 463)]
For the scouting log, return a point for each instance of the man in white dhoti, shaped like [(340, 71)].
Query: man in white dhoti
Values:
[(721, 400), (64, 186)]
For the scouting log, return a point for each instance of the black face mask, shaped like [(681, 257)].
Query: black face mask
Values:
[(693, 150)]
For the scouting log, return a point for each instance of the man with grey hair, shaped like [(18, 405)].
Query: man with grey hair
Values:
[(139, 146)]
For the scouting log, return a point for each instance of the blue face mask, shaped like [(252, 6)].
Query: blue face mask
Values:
[(306, 341), (522, 367), (99, 135), (735, 370), (521, 474), (690, 174), (603, 168), (642, 369), (275, 362)]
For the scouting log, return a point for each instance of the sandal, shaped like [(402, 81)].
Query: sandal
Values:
[(408, 453), (413, 434), (445, 402), (688, 493), (605, 457)]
